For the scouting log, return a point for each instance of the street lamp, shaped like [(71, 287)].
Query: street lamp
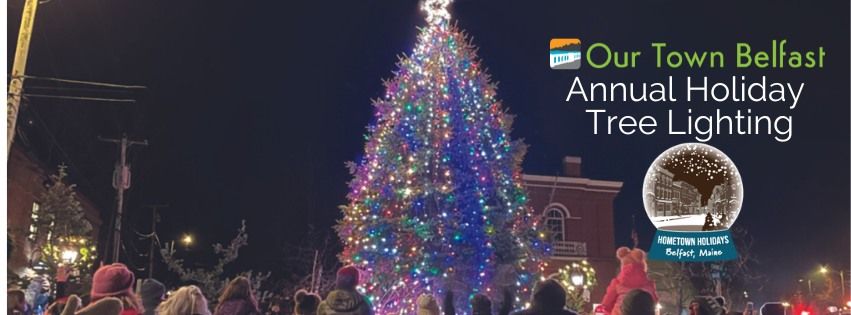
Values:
[(577, 278), (824, 270), (69, 256), (186, 240)]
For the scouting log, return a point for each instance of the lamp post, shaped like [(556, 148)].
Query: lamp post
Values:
[(825, 271), (69, 256), (577, 278), (187, 240)]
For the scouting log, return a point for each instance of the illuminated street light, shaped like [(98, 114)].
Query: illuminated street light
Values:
[(825, 271), (69, 256), (186, 240), (577, 278)]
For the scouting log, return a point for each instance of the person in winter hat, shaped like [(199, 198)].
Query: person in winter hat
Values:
[(152, 293), (638, 302), (548, 298), (427, 305), (480, 304), (633, 275), (116, 281), (237, 299), (345, 299), (306, 303), (103, 306), (188, 300)]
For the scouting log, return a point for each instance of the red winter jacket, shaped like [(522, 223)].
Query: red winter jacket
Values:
[(632, 276)]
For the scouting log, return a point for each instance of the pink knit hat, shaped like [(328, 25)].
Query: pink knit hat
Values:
[(112, 280)]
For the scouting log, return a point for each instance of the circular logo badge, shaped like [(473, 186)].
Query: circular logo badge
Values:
[(692, 187)]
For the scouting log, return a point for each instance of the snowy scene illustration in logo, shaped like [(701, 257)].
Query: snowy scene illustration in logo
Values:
[(692, 187)]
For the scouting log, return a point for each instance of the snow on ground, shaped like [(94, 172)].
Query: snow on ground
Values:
[(679, 220)]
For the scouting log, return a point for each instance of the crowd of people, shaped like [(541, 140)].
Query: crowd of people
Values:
[(112, 293)]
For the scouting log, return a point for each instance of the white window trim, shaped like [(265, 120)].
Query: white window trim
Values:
[(564, 210)]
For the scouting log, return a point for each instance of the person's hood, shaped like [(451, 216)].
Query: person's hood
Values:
[(344, 301)]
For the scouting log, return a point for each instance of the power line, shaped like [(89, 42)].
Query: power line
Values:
[(65, 156), (93, 83), (76, 89), (82, 98)]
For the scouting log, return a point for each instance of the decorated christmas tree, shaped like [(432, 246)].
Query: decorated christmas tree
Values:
[(437, 201), (60, 232), (708, 222)]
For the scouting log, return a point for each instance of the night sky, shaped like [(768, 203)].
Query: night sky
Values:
[(253, 108)]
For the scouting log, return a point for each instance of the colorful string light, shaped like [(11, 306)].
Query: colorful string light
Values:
[(437, 201)]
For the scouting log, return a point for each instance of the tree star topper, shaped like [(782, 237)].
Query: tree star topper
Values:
[(436, 10)]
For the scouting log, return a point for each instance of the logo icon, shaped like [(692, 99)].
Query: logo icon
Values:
[(565, 53), (693, 187), (693, 194)]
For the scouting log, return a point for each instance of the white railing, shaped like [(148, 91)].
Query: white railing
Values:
[(569, 249)]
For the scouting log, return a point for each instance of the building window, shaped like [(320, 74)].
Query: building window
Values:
[(33, 219), (556, 224)]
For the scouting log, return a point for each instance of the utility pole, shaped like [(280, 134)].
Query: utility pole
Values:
[(19, 66), (154, 219), (121, 182)]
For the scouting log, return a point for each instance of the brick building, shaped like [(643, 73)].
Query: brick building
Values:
[(723, 200), (686, 198), (26, 180), (578, 214), (663, 192)]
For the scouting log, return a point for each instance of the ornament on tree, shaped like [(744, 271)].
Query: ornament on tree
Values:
[(437, 202)]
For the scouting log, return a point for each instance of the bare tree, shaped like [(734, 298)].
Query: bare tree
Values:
[(672, 283), (212, 280), (310, 265), (732, 278)]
